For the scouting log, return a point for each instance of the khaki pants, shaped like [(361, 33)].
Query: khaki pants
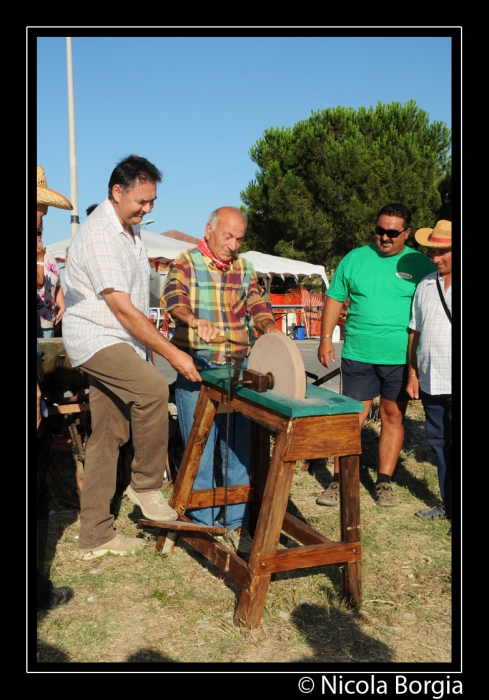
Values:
[(127, 396)]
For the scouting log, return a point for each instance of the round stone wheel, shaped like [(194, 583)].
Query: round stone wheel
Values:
[(277, 353)]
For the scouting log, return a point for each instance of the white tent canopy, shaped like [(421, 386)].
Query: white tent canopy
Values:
[(160, 248), (164, 249), (271, 265)]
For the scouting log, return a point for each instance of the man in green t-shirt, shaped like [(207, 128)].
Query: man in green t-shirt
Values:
[(380, 280)]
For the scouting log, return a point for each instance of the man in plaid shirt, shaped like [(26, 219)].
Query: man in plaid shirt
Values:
[(211, 291), (430, 358)]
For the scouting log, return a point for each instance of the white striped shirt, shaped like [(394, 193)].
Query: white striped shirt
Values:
[(102, 256), (434, 353)]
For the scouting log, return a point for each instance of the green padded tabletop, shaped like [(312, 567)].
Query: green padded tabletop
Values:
[(318, 401)]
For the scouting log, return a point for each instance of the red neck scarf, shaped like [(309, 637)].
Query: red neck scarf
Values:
[(205, 250)]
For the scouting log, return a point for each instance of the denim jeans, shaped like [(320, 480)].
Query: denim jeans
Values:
[(186, 396), (438, 410)]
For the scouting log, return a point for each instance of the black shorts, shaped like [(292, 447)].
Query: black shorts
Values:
[(364, 381)]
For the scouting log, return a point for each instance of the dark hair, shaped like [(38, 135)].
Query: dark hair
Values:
[(91, 208), (131, 169), (394, 209)]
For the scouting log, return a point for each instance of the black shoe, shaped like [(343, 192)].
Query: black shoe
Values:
[(55, 598)]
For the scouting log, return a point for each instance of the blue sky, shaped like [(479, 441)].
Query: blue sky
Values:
[(194, 106)]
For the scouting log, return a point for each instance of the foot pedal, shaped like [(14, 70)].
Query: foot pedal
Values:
[(184, 526)]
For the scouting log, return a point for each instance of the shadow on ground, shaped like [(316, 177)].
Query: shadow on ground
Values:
[(335, 636)]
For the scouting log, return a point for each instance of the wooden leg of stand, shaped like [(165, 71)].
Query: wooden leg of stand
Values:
[(260, 462), (204, 416), (252, 600), (203, 419), (166, 541), (350, 525), (352, 583)]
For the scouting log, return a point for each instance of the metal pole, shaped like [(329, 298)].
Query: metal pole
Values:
[(75, 220)]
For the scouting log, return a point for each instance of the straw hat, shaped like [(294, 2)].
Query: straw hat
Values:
[(47, 196), (438, 237)]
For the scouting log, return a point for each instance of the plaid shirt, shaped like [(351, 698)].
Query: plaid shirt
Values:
[(434, 354), (229, 306), (102, 256)]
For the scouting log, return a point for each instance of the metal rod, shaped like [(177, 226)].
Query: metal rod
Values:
[(75, 219)]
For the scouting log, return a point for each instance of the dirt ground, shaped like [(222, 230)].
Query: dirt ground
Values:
[(150, 608)]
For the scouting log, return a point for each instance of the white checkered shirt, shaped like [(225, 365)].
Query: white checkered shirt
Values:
[(102, 256), (434, 355)]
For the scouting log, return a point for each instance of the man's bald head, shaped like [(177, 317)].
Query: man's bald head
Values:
[(224, 232), (216, 214)]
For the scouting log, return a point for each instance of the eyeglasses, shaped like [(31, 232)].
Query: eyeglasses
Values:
[(390, 234)]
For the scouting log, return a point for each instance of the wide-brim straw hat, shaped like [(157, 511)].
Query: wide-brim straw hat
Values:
[(48, 196), (438, 237)]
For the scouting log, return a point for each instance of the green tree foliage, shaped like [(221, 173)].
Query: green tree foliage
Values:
[(445, 189), (321, 183)]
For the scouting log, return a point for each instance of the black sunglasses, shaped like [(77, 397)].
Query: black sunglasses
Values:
[(390, 234)]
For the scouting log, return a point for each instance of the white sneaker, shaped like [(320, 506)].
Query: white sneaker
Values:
[(119, 545), (153, 504)]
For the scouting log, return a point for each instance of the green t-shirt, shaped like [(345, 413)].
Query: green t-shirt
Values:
[(381, 289)]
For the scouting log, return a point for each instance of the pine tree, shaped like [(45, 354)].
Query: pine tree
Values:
[(321, 183)]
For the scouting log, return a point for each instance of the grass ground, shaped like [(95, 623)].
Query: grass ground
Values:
[(149, 607)]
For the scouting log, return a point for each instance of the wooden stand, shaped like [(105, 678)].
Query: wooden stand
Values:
[(67, 425), (324, 424)]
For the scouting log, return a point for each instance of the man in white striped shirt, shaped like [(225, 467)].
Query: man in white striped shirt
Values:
[(107, 333), (430, 358)]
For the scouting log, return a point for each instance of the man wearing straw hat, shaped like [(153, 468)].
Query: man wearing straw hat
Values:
[(108, 334), (47, 197), (49, 291), (430, 358), (48, 597)]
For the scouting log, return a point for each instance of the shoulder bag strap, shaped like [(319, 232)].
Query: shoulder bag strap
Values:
[(442, 299)]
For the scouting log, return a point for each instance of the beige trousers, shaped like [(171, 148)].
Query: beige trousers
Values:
[(128, 396)]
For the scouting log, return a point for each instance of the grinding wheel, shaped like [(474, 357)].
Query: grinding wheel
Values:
[(276, 353)]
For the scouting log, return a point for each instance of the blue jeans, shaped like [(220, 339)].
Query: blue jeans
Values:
[(438, 410), (44, 332), (186, 395)]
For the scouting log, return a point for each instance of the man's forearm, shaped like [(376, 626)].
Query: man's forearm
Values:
[(185, 315), (266, 325), (143, 330), (203, 328), (40, 265), (60, 298), (412, 359), (412, 386), (138, 325), (331, 315)]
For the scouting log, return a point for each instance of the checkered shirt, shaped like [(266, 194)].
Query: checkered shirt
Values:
[(434, 354), (230, 306), (102, 256)]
